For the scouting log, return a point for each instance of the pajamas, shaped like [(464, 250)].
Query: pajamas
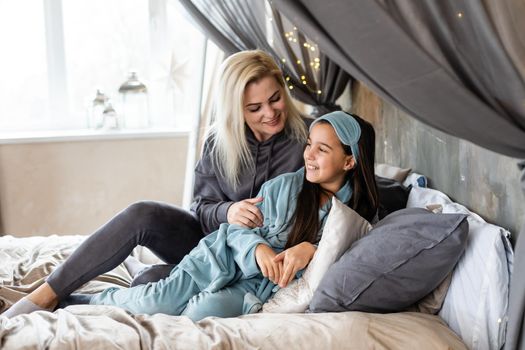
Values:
[(220, 276)]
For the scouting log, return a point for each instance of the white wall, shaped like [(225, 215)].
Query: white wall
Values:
[(74, 187)]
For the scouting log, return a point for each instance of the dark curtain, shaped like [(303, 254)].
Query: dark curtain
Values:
[(457, 65), (236, 25)]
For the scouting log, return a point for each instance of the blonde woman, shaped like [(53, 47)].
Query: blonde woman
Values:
[(257, 135)]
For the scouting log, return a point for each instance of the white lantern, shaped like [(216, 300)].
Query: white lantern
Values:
[(134, 103), (110, 118), (96, 110)]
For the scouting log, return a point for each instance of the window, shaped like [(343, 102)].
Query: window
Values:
[(56, 54)]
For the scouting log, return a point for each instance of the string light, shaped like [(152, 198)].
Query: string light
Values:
[(314, 62), (460, 14)]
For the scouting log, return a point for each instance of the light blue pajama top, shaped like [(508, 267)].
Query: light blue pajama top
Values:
[(227, 255)]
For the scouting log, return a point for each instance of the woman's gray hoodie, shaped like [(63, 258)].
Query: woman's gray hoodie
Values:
[(212, 195)]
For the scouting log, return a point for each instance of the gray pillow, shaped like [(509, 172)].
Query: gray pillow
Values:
[(402, 259)]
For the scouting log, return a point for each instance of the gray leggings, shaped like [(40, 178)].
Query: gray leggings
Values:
[(168, 231)]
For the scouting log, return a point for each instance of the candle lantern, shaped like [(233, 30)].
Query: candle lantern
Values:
[(96, 110), (134, 103)]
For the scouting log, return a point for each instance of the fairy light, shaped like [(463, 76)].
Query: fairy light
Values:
[(460, 14), (314, 63)]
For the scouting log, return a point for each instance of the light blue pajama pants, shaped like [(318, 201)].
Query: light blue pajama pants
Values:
[(179, 294)]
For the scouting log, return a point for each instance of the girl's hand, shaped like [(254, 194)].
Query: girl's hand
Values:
[(294, 259), (244, 213), (264, 256)]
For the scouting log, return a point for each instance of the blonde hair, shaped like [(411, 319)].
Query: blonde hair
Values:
[(230, 151)]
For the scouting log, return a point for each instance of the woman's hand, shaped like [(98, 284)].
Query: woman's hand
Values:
[(264, 255), (245, 213), (294, 259)]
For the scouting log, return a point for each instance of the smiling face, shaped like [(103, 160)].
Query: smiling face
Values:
[(324, 157), (264, 107)]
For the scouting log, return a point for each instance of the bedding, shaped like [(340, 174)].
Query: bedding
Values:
[(392, 172), (476, 304), (343, 227), (401, 260), (26, 262), (393, 196)]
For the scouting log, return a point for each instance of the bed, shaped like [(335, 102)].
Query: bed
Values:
[(464, 322)]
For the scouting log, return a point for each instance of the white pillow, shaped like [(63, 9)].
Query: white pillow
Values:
[(392, 172), (421, 197), (476, 303), (342, 228)]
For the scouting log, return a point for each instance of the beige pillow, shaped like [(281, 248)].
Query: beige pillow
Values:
[(392, 172), (432, 303), (343, 227)]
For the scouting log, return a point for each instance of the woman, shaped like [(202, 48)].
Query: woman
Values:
[(225, 274), (257, 135)]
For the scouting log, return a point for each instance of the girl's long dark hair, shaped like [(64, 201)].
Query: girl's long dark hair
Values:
[(364, 198)]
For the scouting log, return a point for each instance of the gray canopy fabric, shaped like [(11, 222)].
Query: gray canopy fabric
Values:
[(375, 44), (456, 65), (237, 25)]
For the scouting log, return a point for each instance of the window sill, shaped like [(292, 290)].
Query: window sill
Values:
[(88, 135)]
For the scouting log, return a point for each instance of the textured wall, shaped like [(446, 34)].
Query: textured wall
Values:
[(74, 187), (485, 182)]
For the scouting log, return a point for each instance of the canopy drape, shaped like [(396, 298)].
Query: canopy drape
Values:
[(237, 25)]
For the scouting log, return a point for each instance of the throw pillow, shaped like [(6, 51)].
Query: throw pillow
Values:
[(392, 196), (342, 228), (392, 172), (402, 259)]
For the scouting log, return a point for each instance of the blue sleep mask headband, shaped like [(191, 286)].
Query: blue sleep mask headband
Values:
[(346, 128)]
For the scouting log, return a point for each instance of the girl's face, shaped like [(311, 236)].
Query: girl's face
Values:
[(264, 108), (324, 158)]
